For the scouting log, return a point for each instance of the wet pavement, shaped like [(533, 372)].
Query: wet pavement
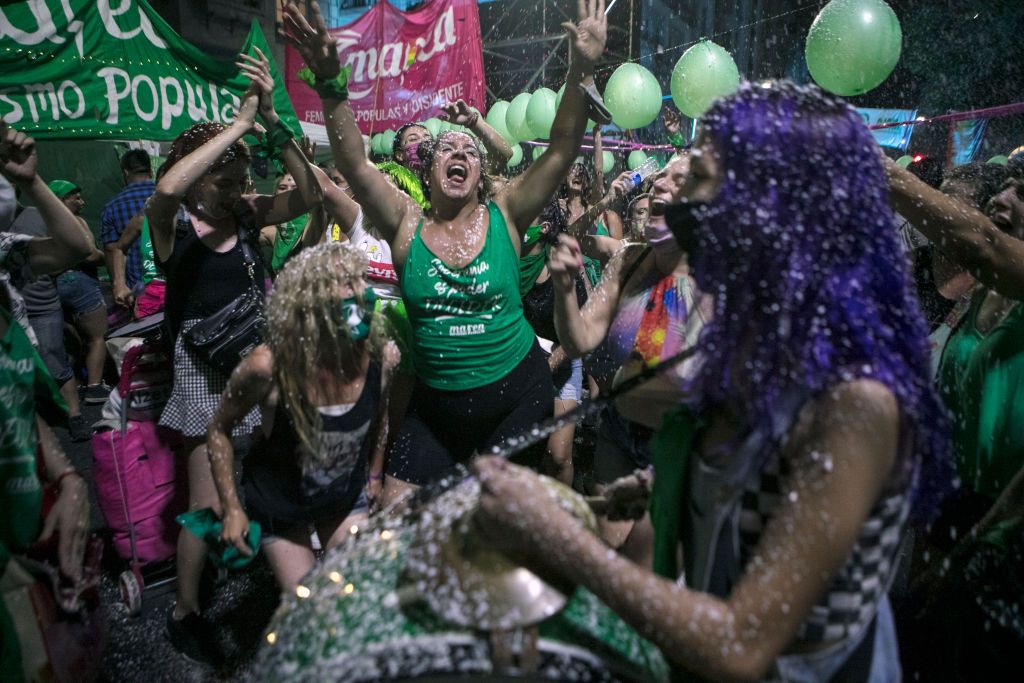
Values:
[(239, 605)]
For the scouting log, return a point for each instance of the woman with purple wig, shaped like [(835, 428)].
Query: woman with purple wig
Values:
[(814, 431)]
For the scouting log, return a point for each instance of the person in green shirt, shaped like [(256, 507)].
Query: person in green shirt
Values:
[(481, 376)]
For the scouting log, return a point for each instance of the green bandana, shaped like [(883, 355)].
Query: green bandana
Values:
[(358, 315), (205, 525)]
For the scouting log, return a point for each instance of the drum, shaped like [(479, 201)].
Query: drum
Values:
[(349, 621)]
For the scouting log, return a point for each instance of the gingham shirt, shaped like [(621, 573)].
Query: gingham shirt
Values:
[(125, 205)]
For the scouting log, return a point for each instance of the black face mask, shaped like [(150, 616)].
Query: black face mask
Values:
[(685, 221)]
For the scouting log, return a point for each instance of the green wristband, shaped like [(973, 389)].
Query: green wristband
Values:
[(677, 140), (278, 135), (333, 89)]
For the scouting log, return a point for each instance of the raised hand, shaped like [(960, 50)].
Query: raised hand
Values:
[(671, 120), (460, 113), (245, 118), (588, 35), (618, 188), (18, 160), (257, 70), (565, 260), (314, 44), (308, 148)]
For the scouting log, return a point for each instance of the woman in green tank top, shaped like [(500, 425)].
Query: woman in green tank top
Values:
[(481, 376)]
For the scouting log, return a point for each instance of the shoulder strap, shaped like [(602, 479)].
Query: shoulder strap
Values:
[(636, 264)]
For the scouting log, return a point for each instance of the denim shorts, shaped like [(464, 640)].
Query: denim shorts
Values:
[(79, 293), (49, 329), (362, 507), (572, 388)]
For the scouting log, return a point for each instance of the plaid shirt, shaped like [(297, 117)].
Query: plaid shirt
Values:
[(125, 205)]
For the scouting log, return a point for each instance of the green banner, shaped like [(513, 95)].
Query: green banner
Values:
[(114, 69)]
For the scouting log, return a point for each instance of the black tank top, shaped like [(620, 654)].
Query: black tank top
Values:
[(286, 487), (539, 306), (201, 281)]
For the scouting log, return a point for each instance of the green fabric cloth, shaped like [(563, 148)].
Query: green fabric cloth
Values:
[(981, 379), (288, 234), (149, 271), (529, 268), (207, 526), (468, 325), (25, 388), (671, 447)]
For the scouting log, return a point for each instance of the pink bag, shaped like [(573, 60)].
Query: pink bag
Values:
[(136, 476)]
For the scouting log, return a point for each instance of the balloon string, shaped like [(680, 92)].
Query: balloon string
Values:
[(611, 66)]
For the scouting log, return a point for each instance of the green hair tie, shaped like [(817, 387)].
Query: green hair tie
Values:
[(333, 89), (406, 181)]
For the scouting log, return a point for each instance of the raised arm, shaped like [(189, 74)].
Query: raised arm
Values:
[(839, 471), (580, 332), (385, 205), (498, 149), (525, 197), (248, 386), (163, 204), (597, 185), (66, 244), (964, 234)]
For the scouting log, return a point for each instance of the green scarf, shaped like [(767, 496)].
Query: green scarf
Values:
[(671, 447), (206, 526)]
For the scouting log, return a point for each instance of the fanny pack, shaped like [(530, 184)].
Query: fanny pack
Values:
[(224, 338)]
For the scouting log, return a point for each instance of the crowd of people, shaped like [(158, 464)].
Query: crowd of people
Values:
[(829, 488)]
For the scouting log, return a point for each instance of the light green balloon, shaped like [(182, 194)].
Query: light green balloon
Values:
[(540, 112), (515, 118), (538, 151), (608, 160), (445, 127), (517, 156), (387, 141), (1000, 159), (375, 143), (905, 160), (636, 158), (433, 125), (703, 73), (558, 103), (853, 45), (496, 119), (633, 96)]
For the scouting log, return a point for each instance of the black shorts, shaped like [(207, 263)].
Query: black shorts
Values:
[(445, 428)]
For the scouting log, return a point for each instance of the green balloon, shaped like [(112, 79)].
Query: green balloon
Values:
[(636, 158), (703, 73), (608, 160), (633, 96), (445, 127), (496, 119), (375, 143), (905, 160), (517, 156), (853, 45), (387, 141), (515, 118), (537, 151), (558, 103), (1000, 159), (540, 112), (433, 125)]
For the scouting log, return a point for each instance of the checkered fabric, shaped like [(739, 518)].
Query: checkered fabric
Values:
[(852, 598), (125, 205)]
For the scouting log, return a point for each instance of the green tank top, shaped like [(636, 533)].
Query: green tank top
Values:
[(467, 323), (981, 379)]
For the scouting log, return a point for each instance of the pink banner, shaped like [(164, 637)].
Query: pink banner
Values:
[(405, 65)]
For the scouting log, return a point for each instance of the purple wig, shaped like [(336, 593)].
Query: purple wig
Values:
[(808, 272)]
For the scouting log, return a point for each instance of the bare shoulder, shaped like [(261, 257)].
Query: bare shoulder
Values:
[(863, 395), (391, 357)]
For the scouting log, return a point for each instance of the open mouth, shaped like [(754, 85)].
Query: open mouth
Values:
[(457, 173)]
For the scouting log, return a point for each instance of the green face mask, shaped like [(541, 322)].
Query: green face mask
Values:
[(357, 316)]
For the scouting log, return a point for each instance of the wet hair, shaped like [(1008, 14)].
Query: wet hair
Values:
[(588, 182), (555, 216), (485, 188), (633, 201), (396, 144), (307, 331), (985, 180), (809, 280), (136, 161), (928, 169), (1015, 168), (197, 135)]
